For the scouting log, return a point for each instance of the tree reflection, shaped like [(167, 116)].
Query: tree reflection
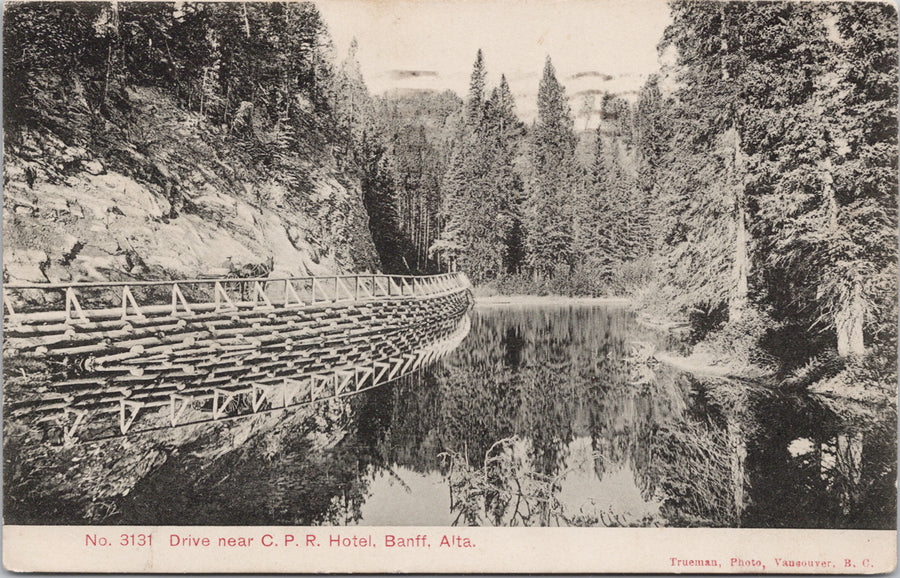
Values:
[(812, 466), (702, 448)]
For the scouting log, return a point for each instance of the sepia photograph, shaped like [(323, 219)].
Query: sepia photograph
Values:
[(397, 272)]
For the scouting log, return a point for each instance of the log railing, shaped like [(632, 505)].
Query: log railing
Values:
[(84, 302)]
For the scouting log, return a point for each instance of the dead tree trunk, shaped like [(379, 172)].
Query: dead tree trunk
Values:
[(737, 301), (849, 322)]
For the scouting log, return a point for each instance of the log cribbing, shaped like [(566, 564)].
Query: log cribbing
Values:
[(122, 358)]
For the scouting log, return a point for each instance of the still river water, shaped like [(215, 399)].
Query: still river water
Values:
[(546, 416)]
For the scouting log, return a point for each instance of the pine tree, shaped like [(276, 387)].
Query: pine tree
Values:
[(503, 131), (653, 136), (787, 148), (706, 249), (865, 179), (548, 216), (422, 131), (610, 217), (363, 145), (481, 189), (354, 107), (594, 220), (475, 100), (826, 187)]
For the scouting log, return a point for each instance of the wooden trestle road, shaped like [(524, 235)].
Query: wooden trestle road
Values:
[(172, 353)]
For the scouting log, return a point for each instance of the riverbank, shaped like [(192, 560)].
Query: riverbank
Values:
[(547, 300), (704, 366)]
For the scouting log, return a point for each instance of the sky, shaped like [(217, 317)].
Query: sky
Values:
[(431, 44)]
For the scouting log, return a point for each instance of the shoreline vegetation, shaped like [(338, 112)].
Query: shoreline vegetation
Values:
[(547, 300), (709, 360)]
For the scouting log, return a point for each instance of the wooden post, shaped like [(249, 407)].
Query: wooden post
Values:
[(177, 296), (126, 298), (69, 433), (260, 294), (8, 303), (72, 303), (290, 293), (221, 295), (176, 412), (125, 422)]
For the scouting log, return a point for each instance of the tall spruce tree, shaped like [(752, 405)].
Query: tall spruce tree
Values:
[(706, 246), (502, 134), (363, 144), (548, 212), (594, 224), (475, 100), (786, 148), (481, 188), (826, 181), (653, 134)]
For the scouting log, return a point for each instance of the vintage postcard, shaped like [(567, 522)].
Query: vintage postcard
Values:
[(518, 286)]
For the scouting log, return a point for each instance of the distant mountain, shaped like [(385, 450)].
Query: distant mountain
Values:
[(581, 88), (589, 85)]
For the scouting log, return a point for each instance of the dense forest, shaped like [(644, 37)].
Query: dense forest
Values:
[(752, 183)]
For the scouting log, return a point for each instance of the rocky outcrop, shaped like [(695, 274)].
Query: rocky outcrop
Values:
[(158, 193)]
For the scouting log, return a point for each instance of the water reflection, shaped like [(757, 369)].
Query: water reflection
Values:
[(545, 416)]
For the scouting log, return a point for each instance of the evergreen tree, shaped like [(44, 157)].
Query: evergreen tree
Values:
[(595, 239), (548, 218), (354, 108), (475, 100), (481, 189), (786, 147), (826, 182), (706, 252), (503, 132), (422, 131), (653, 136), (363, 144), (610, 217)]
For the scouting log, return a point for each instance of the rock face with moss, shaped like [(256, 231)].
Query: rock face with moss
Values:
[(139, 144), (160, 193)]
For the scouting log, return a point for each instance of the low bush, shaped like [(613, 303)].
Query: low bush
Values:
[(739, 341)]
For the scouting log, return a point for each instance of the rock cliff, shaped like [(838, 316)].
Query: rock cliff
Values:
[(152, 191)]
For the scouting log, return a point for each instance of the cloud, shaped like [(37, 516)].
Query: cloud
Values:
[(401, 92), (405, 74), (591, 74), (594, 91)]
